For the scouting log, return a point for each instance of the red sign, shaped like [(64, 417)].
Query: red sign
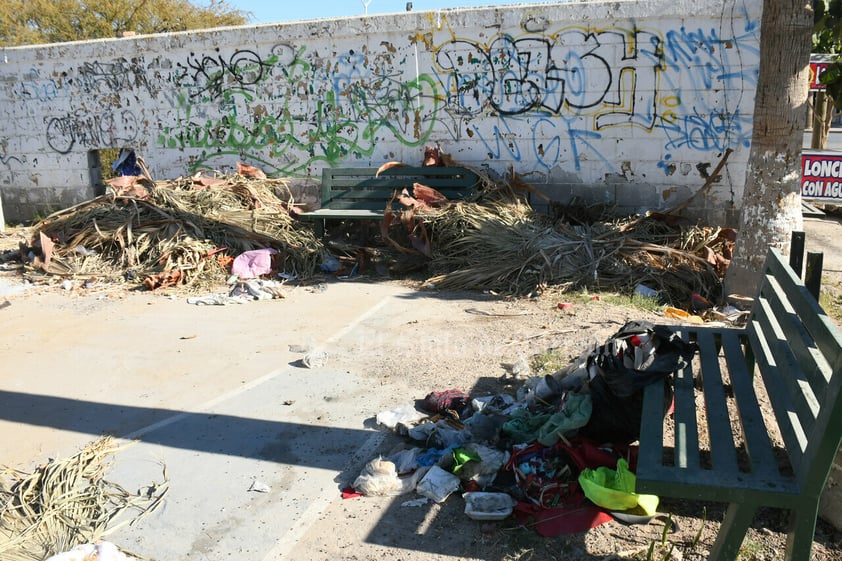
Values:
[(819, 63), (821, 176), (816, 71)]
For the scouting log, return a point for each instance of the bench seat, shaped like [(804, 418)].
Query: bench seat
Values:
[(791, 352)]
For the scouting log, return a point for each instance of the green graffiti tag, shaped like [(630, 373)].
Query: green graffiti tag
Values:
[(306, 112)]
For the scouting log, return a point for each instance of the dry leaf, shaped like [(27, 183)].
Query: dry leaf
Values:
[(250, 171), (388, 165)]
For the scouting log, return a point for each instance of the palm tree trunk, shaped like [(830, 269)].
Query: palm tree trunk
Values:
[(771, 205)]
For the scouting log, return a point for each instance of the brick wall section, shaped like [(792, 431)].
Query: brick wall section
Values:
[(620, 102)]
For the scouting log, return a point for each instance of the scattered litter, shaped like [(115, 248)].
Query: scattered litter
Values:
[(242, 291), (405, 415), (488, 506), (676, 313), (380, 478), (614, 489), (438, 484), (421, 501), (646, 291), (499, 403), (315, 359), (564, 439), (330, 264), (216, 300), (254, 263), (102, 551), (259, 487)]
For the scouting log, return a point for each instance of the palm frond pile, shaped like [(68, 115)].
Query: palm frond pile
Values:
[(180, 227), (67, 502), (503, 245)]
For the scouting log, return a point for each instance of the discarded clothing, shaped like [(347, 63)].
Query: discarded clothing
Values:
[(523, 425), (254, 263), (574, 414), (449, 400)]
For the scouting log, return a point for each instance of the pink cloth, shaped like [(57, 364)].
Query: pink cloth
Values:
[(255, 263)]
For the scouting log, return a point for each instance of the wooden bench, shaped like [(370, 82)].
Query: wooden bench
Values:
[(358, 193), (797, 350)]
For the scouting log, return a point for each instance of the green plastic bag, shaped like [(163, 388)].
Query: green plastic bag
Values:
[(614, 489)]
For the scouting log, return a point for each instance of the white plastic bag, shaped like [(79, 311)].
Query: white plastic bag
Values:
[(438, 484), (379, 478), (103, 551), (405, 414)]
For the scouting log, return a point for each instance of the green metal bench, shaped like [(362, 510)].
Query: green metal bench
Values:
[(358, 193), (797, 350)]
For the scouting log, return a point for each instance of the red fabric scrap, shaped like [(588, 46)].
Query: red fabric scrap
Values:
[(438, 402), (554, 522), (350, 493)]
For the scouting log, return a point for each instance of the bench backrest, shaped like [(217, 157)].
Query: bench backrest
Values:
[(359, 188), (798, 350)]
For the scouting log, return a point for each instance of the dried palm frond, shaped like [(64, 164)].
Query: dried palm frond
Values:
[(505, 246), (67, 502), (181, 226)]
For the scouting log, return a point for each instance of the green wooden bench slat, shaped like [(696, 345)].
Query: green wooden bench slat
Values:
[(687, 453), (721, 439), (773, 323), (774, 380), (755, 433), (652, 429), (781, 312)]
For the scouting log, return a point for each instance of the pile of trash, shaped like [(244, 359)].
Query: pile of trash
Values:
[(560, 452)]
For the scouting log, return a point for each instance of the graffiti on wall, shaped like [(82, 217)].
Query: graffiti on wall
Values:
[(35, 88), (216, 76), (113, 76), (546, 98), (91, 131), (298, 110), (569, 90)]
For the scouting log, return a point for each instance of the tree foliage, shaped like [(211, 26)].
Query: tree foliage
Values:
[(827, 39), (31, 22)]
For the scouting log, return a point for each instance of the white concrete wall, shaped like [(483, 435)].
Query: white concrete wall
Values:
[(627, 102)]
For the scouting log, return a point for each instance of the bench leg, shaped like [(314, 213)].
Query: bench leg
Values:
[(802, 527), (738, 518)]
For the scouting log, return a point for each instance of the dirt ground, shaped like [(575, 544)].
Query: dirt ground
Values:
[(470, 341)]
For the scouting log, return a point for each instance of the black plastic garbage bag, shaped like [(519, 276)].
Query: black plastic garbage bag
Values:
[(639, 354)]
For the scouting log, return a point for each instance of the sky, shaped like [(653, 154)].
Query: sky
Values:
[(273, 11)]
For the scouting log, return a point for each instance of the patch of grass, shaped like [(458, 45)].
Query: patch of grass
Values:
[(751, 550), (830, 299), (635, 300), (551, 360)]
